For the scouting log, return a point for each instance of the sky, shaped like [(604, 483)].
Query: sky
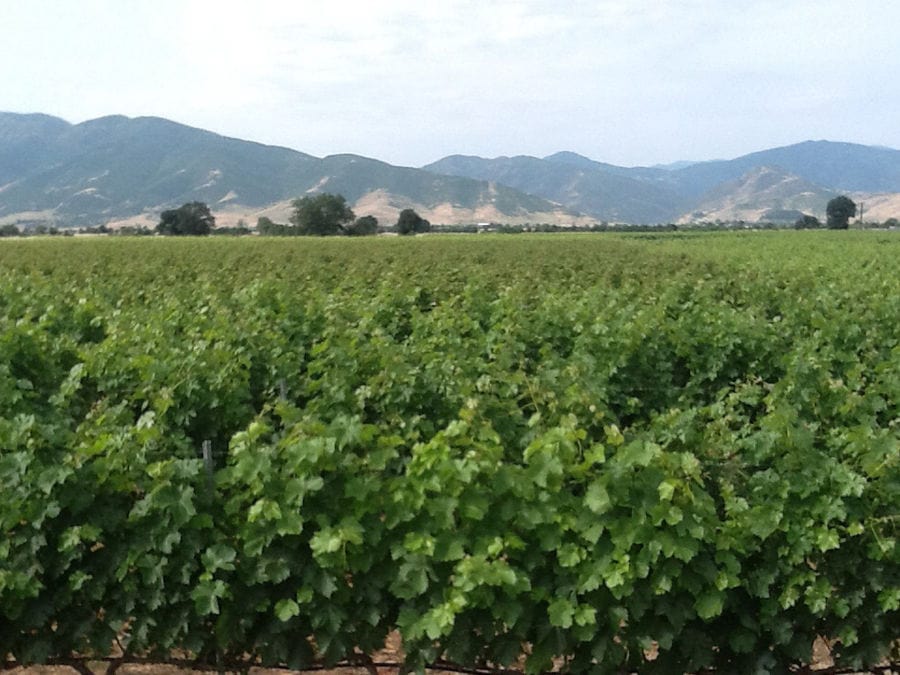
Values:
[(408, 82)]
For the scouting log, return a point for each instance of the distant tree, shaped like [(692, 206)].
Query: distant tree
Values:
[(268, 228), (363, 226), (410, 222), (839, 211), (806, 222), (265, 225), (193, 218), (9, 230), (133, 231), (236, 231), (892, 222), (322, 215)]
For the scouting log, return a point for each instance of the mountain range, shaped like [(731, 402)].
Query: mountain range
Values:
[(116, 169), (122, 170)]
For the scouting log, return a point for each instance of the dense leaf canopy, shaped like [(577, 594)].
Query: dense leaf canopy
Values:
[(363, 226), (193, 218), (323, 214), (839, 212), (524, 451), (410, 222)]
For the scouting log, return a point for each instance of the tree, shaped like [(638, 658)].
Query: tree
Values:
[(839, 211), (265, 225), (807, 223), (193, 218), (363, 226), (324, 214), (410, 222)]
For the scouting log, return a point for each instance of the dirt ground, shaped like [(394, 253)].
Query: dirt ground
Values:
[(391, 654)]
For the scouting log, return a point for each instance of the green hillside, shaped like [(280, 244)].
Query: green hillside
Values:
[(116, 167), (584, 186), (654, 194)]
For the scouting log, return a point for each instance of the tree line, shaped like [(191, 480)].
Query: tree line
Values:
[(838, 213), (329, 215), (320, 215)]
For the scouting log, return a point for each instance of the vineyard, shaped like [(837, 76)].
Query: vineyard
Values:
[(576, 453)]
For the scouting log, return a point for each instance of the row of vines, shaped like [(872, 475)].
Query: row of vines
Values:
[(580, 453)]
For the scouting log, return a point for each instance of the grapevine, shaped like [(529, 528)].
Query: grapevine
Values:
[(533, 454)]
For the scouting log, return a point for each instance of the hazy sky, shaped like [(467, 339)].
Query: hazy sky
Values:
[(628, 82)]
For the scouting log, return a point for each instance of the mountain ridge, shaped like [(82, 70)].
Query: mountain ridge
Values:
[(766, 193), (121, 169), (676, 192), (597, 192), (117, 168)]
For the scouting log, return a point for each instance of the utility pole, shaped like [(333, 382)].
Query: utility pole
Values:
[(862, 209)]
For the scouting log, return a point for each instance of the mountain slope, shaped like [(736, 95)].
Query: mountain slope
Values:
[(841, 166), (25, 142), (601, 191), (762, 194), (116, 168), (684, 190)]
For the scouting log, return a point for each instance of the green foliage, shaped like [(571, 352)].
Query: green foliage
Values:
[(267, 227), (323, 214), (839, 211), (410, 222), (193, 218), (807, 222), (365, 225), (264, 225), (237, 231), (505, 447)]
